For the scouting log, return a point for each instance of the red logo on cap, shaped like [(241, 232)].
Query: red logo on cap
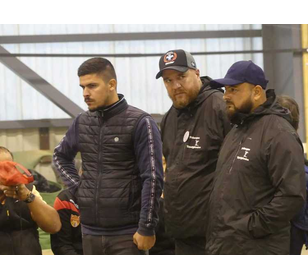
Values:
[(170, 57)]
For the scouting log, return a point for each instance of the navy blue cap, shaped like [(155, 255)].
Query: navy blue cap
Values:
[(242, 72)]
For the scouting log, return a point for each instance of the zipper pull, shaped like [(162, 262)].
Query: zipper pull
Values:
[(8, 213)]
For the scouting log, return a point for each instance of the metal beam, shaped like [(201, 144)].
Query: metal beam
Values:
[(284, 70), (43, 123), (272, 51), (44, 138), (38, 83), (304, 31), (66, 38)]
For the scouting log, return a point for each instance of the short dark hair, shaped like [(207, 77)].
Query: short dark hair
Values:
[(98, 65), (5, 150), (291, 104)]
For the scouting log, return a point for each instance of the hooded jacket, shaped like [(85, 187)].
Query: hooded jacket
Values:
[(301, 219), (192, 138), (259, 184)]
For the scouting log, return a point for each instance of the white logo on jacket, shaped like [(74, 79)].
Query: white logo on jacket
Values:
[(244, 157), (196, 146)]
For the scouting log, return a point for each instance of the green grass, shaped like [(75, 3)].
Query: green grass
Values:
[(45, 237)]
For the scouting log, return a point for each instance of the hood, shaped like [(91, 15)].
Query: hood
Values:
[(269, 107)]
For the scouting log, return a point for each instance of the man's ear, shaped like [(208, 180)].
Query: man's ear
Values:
[(258, 93), (112, 84)]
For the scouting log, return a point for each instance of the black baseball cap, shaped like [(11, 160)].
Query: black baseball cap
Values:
[(242, 72), (178, 60)]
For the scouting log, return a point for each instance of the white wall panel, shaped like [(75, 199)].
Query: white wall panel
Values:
[(20, 139), (136, 76), (29, 139), (43, 29)]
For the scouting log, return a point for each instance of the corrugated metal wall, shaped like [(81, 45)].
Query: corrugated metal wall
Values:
[(29, 139), (20, 139), (136, 76)]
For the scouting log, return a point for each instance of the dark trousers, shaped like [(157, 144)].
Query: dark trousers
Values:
[(298, 239), (190, 246), (20, 242), (110, 245)]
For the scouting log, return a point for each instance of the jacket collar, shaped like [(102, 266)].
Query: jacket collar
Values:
[(203, 94), (263, 109), (111, 110)]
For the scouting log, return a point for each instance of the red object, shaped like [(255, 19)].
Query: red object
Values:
[(10, 175)]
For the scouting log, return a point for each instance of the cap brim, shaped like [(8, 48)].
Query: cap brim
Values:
[(224, 82), (177, 68)]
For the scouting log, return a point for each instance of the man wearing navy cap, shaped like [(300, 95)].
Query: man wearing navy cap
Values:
[(192, 133), (259, 182)]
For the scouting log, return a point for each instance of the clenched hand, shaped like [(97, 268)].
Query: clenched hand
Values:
[(144, 242)]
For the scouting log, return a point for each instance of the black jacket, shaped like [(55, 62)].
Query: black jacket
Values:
[(18, 231), (164, 244), (192, 138), (118, 192), (259, 184), (68, 241), (301, 219)]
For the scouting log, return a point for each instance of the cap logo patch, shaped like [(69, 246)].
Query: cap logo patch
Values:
[(170, 57), (193, 64)]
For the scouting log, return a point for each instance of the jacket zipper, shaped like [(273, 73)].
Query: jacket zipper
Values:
[(239, 146), (100, 120), (222, 193)]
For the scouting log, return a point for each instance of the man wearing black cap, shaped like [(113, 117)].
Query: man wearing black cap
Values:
[(192, 133), (259, 182)]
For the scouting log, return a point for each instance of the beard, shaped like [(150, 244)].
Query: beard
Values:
[(233, 112), (182, 100)]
